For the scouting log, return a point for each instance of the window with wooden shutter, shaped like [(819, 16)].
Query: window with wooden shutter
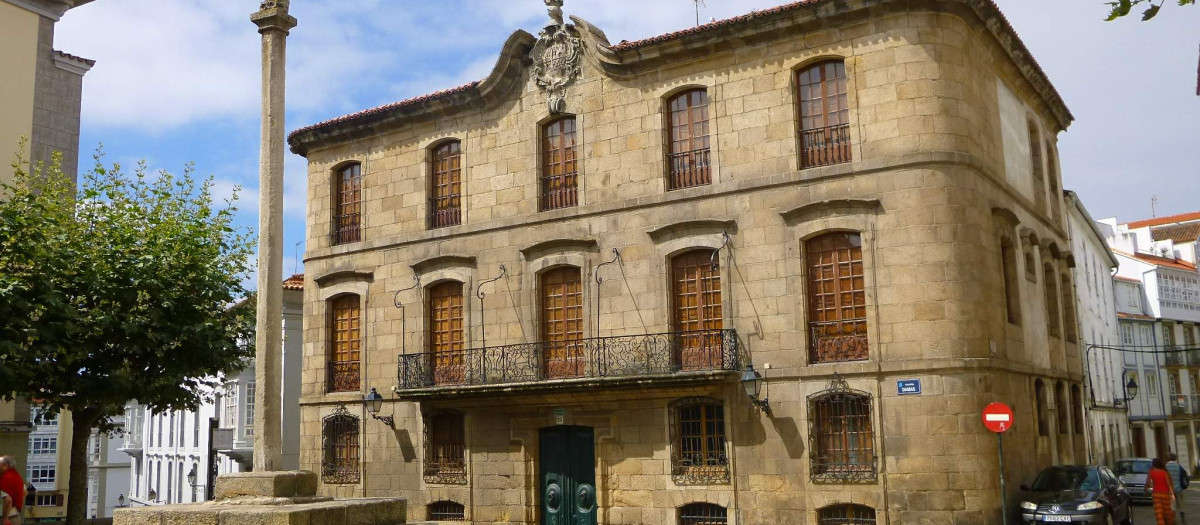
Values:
[(345, 343), (837, 302), (445, 185), (562, 322), (698, 449), (446, 333), (339, 434), (688, 142), (847, 514), (560, 165), (824, 114), (445, 448), (347, 207), (697, 316), (703, 514)]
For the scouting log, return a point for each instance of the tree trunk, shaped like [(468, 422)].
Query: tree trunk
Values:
[(77, 484)]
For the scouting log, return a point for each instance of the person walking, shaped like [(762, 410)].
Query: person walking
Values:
[(12, 485), (1158, 483), (1177, 477)]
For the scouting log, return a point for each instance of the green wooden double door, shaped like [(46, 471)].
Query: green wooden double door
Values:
[(568, 475)]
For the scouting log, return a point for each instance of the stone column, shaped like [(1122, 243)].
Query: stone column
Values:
[(273, 23)]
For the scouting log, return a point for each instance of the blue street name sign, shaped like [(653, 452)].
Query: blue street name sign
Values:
[(906, 387)]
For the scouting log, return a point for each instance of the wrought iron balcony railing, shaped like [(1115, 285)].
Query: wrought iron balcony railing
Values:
[(1179, 405), (343, 376), (1173, 356), (825, 146), (1193, 357), (690, 168), (597, 357), (1196, 404), (833, 341)]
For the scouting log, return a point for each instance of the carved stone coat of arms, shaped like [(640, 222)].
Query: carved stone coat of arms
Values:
[(556, 64)]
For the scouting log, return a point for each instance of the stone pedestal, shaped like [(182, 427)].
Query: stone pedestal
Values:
[(270, 498)]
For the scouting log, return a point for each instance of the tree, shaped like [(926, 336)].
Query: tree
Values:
[(1122, 8), (126, 288)]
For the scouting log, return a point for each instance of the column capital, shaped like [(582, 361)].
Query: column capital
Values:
[(273, 17)]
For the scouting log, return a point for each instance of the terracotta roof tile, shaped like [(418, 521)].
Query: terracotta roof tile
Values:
[(1166, 262), (1127, 279), (87, 61), (1176, 232), (394, 105), (1123, 315), (624, 45), (295, 282), (1158, 221)]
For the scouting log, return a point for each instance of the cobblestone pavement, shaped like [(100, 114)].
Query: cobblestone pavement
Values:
[(1144, 514)]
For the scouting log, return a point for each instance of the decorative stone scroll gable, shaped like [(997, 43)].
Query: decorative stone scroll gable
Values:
[(555, 58)]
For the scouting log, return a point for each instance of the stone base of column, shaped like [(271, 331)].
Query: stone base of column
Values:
[(270, 498)]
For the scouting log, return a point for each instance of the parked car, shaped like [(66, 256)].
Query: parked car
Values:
[(1076, 494), (1132, 472)]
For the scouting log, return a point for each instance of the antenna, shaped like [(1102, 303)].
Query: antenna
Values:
[(1153, 206), (296, 258), (699, 4)]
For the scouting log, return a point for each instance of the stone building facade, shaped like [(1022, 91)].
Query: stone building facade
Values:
[(559, 276)]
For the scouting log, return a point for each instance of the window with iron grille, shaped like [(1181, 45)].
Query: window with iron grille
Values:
[(688, 150), (841, 435), (446, 511), (339, 434), (347, 205), (445, 311), (1052, 313), (445, 448), (1039, 406), (697, 316), (837, 299), (1037, 167), (1068, 302), (698, 449), (847, 515), (562, 322), (702, 514), (445, 185), (560, 164), (345, 343), (824, 114), (1012, 290)]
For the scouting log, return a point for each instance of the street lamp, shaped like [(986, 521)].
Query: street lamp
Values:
[(191, 476), (374, 402), (1131, 390), (752, 383)]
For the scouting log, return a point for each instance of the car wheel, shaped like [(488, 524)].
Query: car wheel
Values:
[(1128, 514)]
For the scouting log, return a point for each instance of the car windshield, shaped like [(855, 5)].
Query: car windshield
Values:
[(1056, 479), (1133, 467)]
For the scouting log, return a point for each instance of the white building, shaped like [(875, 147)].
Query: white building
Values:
[(1158, 302), (108, 473), (50, 461), (176, 456), (1096, 310)]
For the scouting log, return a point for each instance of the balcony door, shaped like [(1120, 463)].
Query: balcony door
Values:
[(567, 457), (562, 323), (446, 333), (696, 314)]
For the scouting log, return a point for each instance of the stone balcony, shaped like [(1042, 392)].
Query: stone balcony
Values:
[(617, 361)]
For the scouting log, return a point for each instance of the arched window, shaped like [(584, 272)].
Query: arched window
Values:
[(1039, 407), (1037, 167), (1060, 406), (698, 454), (1052, 176), (445, 310), (696, 310), (445, 448), (345, 343), (446, 511), (702, 514), (347, 204), (1068, 306), (847, 514), (1012, 289), (339, 438), (841, 435), (560, 164), (1052, 313), (824, 114), (562, 322), (688, 149), (837, 301), (445, 185)]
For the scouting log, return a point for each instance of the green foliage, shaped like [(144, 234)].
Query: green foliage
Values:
[(1122, 8), (127, 287)]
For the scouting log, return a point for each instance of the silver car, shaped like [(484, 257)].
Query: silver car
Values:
[(1133, 472)]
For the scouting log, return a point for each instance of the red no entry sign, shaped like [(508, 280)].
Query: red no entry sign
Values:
[(997, 417)]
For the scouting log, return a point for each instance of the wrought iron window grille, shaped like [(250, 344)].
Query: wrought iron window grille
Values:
[(612, 357), (702, 514), (445, 448), (841, 435), (847, 514), (339, 443), (446, 511), (699, 452)]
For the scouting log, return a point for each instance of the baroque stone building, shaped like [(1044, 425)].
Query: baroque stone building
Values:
[(565, 278)]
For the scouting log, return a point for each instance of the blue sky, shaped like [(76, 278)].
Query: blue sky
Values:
[(178, 81)]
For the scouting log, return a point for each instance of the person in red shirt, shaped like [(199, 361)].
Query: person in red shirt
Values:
[(1158, 482), (12, 484)]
